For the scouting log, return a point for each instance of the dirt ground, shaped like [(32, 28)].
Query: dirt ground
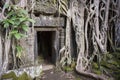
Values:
[(50, 72), (54, 74)]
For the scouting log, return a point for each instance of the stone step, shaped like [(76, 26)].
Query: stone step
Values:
[(47, 67)]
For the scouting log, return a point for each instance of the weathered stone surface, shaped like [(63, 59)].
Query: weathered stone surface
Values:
[(62, 38), (45, 6), (49, 21), (31, 72), (117, 34), (28, 46), (117, 28)]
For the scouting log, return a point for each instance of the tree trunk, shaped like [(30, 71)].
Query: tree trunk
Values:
[(65, 52), (1, 52), (6, 54), (77, 9)]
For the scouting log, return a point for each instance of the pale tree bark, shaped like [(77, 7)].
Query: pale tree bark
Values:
[(68, 39), (100, 30), (78, 13), (1, 51), (106, 24), (77, 9), (65, 52), (6, 53), (78, 24)]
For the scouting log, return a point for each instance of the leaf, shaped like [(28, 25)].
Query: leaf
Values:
[(6, 5), (19, 51), (24, 11), (23, 35), (22, 19), (14, 19), (14, 31), (17, 36), (11, 22), (25, 28), (6, 25), (31, 20), (17, 22), (10, 13)]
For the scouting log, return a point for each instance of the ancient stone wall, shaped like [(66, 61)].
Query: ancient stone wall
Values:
[(45, 6), (28, 46), (44, 16)]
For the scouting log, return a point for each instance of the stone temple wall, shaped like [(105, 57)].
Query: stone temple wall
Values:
[(28, 46), (45, 6), (44, 16)]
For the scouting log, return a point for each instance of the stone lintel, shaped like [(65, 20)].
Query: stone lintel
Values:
[(49, 21)]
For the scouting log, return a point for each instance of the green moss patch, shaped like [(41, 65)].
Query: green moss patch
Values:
[(13, 76)]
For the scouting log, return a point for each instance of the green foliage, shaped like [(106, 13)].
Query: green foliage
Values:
[(17, 23), (19, 51), (109, 64), (78, 79), (96, 69), (95, 65), (97, 72), (69, 67)]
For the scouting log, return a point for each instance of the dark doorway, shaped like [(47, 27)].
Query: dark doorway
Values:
[(45, 42)]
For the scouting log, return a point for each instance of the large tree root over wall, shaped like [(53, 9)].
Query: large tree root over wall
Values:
[(89, 15), (91, 75)]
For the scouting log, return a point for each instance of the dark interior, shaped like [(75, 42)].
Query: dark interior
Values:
[(45, 43)]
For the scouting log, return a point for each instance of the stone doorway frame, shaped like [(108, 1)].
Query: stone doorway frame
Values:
[(56, 42)]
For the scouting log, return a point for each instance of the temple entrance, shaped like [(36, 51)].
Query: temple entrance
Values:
[(46, 47)]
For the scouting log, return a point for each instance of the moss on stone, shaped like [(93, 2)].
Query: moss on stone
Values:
[(24, 76), (10, 75), (78, 79), (95, 65), (13, 76), (98, 72)]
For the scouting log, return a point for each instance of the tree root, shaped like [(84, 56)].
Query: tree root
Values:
[(91, 75)]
